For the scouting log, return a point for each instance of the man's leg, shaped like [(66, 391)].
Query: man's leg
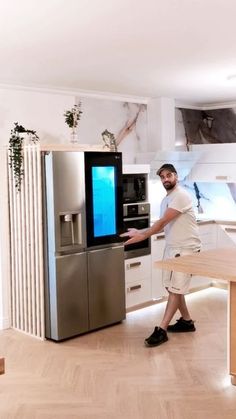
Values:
[(183, 308), (173, 304)]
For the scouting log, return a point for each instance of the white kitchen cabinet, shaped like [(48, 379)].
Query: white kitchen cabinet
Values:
[(226, 236), (158, 245), (213, 172), (208, 235), (138, 280), (217, 163)]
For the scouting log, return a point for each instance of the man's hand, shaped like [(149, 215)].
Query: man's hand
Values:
[(135, 236)]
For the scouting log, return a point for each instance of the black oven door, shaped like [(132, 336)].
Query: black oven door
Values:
[(141, 248)]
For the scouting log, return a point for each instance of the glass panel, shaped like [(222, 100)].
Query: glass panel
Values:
[(104, 200)]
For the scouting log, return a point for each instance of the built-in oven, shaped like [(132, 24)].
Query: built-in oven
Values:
[(134, 187), (137, 216)]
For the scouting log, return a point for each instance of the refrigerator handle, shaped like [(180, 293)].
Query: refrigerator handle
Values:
[(107, 248)]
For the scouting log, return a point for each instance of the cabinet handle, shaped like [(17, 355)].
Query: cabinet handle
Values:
[(230, 230), (221, 177), (157, 238), (133, 265), (134, 288)]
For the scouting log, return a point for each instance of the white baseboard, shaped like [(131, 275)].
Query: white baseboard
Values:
[(5, 323)]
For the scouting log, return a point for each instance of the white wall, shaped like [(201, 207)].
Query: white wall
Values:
[(161, 124), (42, 112)]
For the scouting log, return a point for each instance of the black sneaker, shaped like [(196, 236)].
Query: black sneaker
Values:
[(182, 326), (158, 337)]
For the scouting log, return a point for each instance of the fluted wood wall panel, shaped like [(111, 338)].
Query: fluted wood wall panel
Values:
[(26, 231)]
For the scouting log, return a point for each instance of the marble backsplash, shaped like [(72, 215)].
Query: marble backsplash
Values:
[(210, 200)]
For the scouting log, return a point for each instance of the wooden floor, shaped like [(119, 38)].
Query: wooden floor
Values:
[(111, 374)]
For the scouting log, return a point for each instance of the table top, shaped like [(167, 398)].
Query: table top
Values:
[(214, 263)]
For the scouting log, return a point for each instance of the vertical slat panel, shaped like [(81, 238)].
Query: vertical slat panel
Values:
[(23, 257), (27, 232), (25, 208), (31, 224), (40, 240), (12, 244), (16, 257), (36, 240)]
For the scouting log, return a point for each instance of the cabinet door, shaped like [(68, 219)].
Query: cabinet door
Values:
[(213, 172), (137, 269), (226, 236), (158, 245), (208, 239), (138, 280)]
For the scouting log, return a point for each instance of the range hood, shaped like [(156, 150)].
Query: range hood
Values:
[(182, 160)]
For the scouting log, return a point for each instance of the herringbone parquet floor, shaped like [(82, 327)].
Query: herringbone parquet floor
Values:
[(111, 374)]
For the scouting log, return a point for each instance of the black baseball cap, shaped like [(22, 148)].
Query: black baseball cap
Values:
[(167, 166)]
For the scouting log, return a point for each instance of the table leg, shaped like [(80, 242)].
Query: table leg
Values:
[(2, 365), (232, 332)]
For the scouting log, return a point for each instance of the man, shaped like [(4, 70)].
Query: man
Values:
[(178, 221)]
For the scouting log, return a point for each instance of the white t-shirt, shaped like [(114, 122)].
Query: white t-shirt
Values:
[(183, 230)]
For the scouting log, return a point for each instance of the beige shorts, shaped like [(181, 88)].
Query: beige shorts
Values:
[(176, 282)]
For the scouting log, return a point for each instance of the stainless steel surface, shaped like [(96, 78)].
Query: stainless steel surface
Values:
[(130, 210), (137, 216), (65, 195), (106, 286), (85, 289), (68, 296)]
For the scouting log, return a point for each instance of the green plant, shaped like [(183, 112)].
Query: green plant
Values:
[(73, 116), (15, 151)]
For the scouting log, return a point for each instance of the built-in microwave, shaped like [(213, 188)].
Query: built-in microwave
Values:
[(134, 188)]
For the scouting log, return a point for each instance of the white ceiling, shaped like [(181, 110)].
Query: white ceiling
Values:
[(183, 49)]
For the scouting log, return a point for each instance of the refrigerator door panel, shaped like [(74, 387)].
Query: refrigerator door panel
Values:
[(68, 295), (104, 218), (65, 201), (106, 286)]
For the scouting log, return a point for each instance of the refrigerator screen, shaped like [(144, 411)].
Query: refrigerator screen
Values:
[(104, 200), (104, 207)]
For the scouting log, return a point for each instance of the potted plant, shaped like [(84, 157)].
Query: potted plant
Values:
[(72, 117), (15, 151)]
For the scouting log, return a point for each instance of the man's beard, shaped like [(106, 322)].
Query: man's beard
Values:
[(168, 186)]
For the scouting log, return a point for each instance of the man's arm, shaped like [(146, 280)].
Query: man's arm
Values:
[(139, 235)]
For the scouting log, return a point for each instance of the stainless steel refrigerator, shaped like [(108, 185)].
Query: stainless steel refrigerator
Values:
[(84, 269)]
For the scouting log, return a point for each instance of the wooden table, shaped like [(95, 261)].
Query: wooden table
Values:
[(217, 264)]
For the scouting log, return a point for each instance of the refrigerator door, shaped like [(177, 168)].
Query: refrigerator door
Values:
[(67, 300), (65, 201), (106, 279), (104, 218)]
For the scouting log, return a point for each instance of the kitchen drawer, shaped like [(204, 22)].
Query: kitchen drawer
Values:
[(138, 268), (138, 292)]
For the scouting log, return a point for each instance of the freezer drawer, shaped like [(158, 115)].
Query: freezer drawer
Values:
[(106, 286), (68, 297)]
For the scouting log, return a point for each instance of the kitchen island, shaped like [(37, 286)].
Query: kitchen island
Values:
[(217, 264)]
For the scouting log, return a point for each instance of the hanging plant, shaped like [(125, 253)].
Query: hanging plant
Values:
[(16, 154)]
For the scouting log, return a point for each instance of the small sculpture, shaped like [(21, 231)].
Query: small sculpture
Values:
[(109, 140)]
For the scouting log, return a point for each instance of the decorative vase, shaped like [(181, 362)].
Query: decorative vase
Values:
[(74, 135)]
